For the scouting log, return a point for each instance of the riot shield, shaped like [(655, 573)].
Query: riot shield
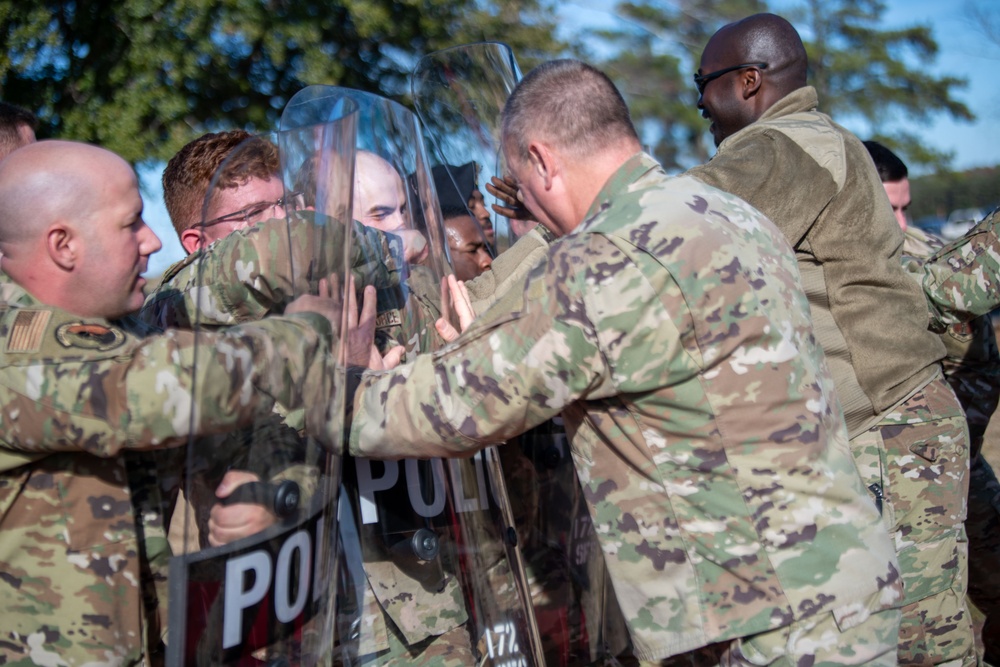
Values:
[(459, 94), (429, 575), (254, 531)]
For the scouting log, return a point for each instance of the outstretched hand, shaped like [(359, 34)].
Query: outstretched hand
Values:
[(321, 304), (359, 347), (454, 297)]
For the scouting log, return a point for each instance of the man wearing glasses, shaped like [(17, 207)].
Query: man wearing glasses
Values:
[(251, 192), (816, 182)]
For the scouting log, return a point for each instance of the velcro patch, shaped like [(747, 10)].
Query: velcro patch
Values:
[(90, 336), (26, 334), (390, 318)]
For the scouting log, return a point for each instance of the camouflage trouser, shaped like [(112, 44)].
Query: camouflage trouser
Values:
[(983, 527), (915, 462), (815, 641), (452, 649)]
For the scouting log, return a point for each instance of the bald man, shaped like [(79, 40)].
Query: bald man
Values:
[(80, 393), (379, 197), (815, 181)]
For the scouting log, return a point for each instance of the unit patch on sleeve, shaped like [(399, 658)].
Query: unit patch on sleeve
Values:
[(90, 336)]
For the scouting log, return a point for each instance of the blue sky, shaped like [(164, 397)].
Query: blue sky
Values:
[(964, 51)]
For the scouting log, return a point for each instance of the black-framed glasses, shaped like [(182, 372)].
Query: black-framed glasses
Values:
[(701, 80), (254, 211)]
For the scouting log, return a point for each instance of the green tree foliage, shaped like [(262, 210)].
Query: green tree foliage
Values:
[(861, 70), (936, 195), (142, 77)]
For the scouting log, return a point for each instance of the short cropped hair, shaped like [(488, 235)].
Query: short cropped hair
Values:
[(12, 117), (190, 172), (890, 168), (574, 106)]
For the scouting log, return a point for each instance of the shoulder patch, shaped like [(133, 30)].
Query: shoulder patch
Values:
[(26, 333), (90, 336)]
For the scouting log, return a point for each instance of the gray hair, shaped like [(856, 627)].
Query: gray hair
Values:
[(569, 104)]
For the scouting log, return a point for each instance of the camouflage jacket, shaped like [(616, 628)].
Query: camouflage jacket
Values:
[(671, 333), (962, 280), (76, 394), (816, 182), (972, 365)]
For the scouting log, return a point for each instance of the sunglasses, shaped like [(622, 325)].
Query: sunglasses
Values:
[(702, 80)]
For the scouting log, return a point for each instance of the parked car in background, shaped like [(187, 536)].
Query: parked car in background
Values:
[(931, 224), (960, 221)]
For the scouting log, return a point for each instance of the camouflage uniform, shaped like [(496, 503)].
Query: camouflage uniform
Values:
[(579, 622), (973, 369), (671, 333), (248, 274), (816, 182), (77, 397), (962, 279)]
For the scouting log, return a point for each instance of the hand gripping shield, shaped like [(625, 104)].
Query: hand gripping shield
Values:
[(254, 530), (426, 575)]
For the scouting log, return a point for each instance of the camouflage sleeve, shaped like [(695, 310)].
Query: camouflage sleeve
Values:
[(501, 377), (138, 394), (376, 257), (253, 272), (962, 280)]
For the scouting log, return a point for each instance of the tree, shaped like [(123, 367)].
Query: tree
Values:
[(859, 69), (650, 48), (985, 19), (142, 77)]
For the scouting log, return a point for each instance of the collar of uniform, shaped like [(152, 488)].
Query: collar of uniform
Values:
[(797, 101), (631, 170), (13, 294)]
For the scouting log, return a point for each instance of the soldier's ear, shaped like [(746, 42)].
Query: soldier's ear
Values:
[(61, 244), (751, 78), (192, 239), (543, 162)]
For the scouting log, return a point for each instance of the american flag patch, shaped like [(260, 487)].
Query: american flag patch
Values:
[(26, 334)]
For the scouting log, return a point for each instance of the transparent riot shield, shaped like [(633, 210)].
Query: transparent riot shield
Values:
[(459, 94), (254, 531), (429, 572)]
